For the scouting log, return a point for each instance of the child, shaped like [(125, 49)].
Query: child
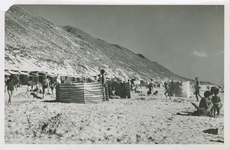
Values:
[(216, 102)]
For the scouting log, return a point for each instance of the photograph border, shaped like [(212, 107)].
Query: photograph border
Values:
[(224, 146)]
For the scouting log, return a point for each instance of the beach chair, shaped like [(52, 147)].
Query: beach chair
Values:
[(200, 110)]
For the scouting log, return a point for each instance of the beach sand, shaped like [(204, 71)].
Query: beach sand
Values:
[(139, 120)]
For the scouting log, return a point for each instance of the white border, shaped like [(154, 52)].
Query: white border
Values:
[(133, 147)]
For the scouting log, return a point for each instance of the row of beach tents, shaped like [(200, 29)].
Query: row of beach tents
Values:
[(25, 76)]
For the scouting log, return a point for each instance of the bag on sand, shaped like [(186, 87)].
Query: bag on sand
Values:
[(149, 92)]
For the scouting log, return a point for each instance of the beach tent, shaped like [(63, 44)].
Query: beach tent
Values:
[(37, 76), (15, 75), (24, 77), (181, 89)]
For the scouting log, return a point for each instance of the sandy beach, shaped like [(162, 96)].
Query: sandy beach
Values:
[(139, 120)]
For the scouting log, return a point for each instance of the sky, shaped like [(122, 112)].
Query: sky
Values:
[(186, 39)]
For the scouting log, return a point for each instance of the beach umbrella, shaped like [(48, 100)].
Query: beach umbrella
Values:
[(6, 73), (24, 73), (13, 72)]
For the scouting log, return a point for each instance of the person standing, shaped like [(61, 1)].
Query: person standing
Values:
[(216, 102), (53, 85), (104, 86), (150, 92), (10, 83), (171, 88), (45, 85), (197, 88), (167, 90)]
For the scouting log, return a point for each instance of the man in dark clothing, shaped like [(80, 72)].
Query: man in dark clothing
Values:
[(10, 87), (104, 86), (150, 92)]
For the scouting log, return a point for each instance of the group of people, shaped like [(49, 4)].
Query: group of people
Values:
[(210, 104), (37, 87), (167, 85)]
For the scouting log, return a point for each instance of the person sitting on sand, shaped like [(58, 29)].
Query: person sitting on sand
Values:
[(112, 91), (206, 104), (150, 87), (38, 87), (216, 102), (10, 84)]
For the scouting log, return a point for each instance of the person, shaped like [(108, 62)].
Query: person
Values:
[(104, 85), (167, 90), (6, 79), (45, 85), (197, 88), (52, 85), (216, 102), (66, 81), (10, 84), (38, 87), (206, 104), (212, 90), (172, 88), (150, 86), (58, 80)]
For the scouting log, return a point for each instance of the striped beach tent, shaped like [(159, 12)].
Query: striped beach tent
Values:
[(80, 93)]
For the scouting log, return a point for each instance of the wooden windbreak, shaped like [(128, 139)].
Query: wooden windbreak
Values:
[(80, 93)]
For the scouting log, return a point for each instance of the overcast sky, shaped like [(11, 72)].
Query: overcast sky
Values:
[(188, 40)]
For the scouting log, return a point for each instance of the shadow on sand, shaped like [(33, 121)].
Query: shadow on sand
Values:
[(211, 131), (219, 141), (35, 96), (185, 113), (54, 101)]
